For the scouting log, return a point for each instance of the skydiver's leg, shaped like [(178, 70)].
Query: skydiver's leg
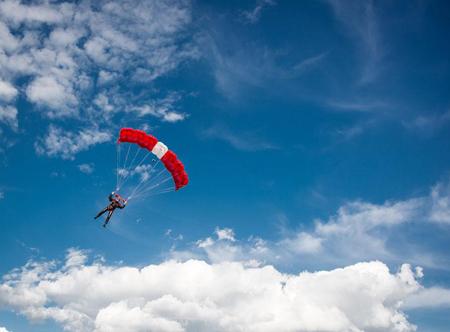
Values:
[(108, 217), (101, 212)]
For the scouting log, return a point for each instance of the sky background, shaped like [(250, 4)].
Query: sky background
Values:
[(316, 136)]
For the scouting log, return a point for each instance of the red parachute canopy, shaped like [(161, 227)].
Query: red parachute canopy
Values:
[(151, 143)]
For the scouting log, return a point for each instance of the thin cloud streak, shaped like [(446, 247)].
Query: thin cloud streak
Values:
[(254, 15), (358, 106), (360, 20), (240, 141), (310, 62)]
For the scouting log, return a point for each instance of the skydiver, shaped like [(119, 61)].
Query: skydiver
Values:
[(116, 202)]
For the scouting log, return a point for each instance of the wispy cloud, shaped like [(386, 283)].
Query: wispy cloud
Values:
[(433, 297), (31, 249), (162, 108), (253, 16), (359, 225), (66, 144), (310, 62), (350, 132), (428, 123), (238, 66), (371, 228), (241, 141), (360, 20), (238, 69), (8, 115), (358, 105), (86, 168), (440, 203)]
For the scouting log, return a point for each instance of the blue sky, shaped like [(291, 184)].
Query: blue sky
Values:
[(315, 136)]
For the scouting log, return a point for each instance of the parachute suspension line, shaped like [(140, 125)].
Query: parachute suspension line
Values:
[(148, 190), (151, 180), (126, 158), (137, 187), (159, 174), (142, 160), (157, 177), (143, 180), (130, 173), (138, 151), (117, 164), (131, 167), (122, 168), (154, 193)]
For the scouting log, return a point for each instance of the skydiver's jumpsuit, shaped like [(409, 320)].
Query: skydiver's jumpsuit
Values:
[(110, 208)]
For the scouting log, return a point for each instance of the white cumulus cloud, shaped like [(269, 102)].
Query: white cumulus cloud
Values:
[(67, 144), (86, 168), (81, 60), (197, 296), (7, 91), (8, 115), (225, 234), (61, 62), (47, 91), (16, 12), (162, 108)]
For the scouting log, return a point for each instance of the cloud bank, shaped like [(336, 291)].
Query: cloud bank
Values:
[(197, 296)]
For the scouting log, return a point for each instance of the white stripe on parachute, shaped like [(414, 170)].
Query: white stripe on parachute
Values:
[(160, 149)]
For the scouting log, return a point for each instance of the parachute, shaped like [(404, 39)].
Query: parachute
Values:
[(145, 177)]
